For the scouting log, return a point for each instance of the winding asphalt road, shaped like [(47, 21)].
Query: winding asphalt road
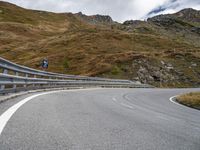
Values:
[(102, 119)]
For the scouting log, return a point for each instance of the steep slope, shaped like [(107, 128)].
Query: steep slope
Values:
[(151, 52), (189, 14), (95, 19)]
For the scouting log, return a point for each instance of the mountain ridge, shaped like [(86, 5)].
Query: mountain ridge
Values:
[(162, 51)]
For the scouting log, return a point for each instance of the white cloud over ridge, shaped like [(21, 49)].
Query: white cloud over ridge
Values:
[(173, 6), (119, 10)]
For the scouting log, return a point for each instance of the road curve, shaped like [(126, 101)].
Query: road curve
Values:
[(103, 119)]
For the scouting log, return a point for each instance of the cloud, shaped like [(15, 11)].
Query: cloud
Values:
[(173, 6), (119, 10)]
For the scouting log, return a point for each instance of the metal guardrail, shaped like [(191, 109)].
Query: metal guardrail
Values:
[(15, 77)]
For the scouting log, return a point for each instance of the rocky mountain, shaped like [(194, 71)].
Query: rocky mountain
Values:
[(95, 19), (162, 51), (187, 19), (189, 14)]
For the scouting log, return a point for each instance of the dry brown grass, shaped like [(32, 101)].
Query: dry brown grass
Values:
[(191, 99), (27, 36)]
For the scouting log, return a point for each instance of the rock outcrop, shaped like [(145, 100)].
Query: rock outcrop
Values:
[(95, 19)]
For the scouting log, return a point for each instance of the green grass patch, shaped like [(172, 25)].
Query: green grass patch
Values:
[(116, 70), (66, 63)]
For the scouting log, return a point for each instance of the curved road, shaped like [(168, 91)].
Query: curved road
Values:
[(103, 119)]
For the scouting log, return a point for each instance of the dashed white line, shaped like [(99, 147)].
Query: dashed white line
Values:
[(125, 105), (114, 99)]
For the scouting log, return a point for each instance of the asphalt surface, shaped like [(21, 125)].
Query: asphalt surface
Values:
[(103, 119)]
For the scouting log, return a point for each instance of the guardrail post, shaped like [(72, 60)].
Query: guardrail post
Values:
[(2, 87), (34, 76), (26, 75), (15, 86), (49, 83), (5, 71)]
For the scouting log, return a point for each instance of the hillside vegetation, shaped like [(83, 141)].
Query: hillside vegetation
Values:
[(191, 100), (163, 51)]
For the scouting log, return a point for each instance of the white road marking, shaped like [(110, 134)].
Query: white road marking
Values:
[(5, 117), (163, 118), (172, 100), (114, 99), (125, 105)]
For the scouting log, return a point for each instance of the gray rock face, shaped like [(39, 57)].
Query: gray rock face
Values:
[(196, 30), (167, 20), (101, 18), (186, 15), (95, 19), (132, 22), (189, 15), (185, 20), (162, 73)]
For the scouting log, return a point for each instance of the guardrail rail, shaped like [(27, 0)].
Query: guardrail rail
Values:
[(14, 78)]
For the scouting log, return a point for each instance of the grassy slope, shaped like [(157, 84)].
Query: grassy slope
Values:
[(191, 100), (75, 47)]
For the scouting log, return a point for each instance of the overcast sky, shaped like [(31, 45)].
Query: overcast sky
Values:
[(119, 10)]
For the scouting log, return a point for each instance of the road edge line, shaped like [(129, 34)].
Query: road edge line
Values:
[(172, 99), (5, 117), (15, 95)]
